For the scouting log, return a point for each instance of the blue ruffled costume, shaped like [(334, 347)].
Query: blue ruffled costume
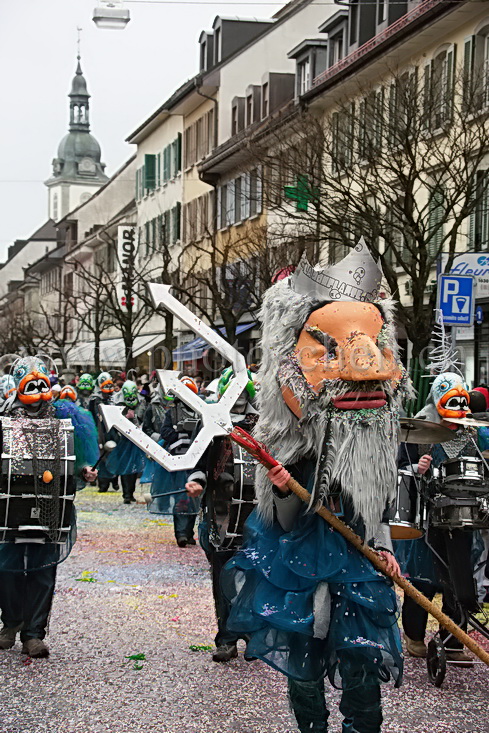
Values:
[(272, 584)]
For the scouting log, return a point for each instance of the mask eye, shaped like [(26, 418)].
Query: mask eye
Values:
[(19, 373), (444, 385), (43, 369)]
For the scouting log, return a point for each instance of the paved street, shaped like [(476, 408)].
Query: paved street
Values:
[(128, 590)]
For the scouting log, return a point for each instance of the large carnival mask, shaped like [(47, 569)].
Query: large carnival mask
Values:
[(68, 393), (345, 346), (31, 378), (450, 395), (85, 384), (130, 394), (105, 383), (246, 396), (7, 386)]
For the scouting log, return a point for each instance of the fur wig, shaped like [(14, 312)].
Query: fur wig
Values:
[(354, 438)]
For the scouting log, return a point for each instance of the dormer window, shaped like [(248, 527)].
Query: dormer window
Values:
[(264, 100), (217, 45), (304, 76), (336, 48), (249, 109), (203, 56), (381, 11)]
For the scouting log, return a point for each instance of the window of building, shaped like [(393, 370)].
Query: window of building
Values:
[(304, 76), (475, 93), (240, 199), (249, 109), (199, 139), (353, 20), (479, 218), (436, 221), (438, 89), (336, 48), (264, 100), (203, 56), (234, 121), (55, 206), (217, 45), (381, 11)]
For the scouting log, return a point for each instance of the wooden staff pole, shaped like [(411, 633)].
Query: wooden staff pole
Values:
[(257, 451)]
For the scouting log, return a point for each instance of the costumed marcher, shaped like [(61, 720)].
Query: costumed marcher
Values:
[(104, 395), (84, 388), (331, 389), (126, 460), (440, 561), (214, 479), (68, 393), (47, 451), (154, 416), (7, 387), (168, 488), (479, 411)]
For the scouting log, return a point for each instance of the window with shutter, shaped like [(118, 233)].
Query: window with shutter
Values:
[(179, 153), (150, 172), (468, 74), (436, 216), (168, 233), (479, 219), (427, 102), (230, 206), (245, 196)]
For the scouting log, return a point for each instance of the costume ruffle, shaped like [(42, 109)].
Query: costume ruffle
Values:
[(278, 588), (125, 459), (169, 495)]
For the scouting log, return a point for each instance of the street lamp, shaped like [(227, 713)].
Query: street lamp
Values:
[(111, 14)]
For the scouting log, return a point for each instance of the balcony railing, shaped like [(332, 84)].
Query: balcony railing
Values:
[(377, 40)]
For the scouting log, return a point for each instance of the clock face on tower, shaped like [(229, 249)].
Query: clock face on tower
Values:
[(86, 165)]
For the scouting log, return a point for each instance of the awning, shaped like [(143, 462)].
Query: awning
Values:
[(196, 348), (112, 351)]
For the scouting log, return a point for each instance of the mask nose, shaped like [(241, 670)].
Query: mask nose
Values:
[(362, 360)]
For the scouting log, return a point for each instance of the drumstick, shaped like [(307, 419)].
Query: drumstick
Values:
[(257, 450)]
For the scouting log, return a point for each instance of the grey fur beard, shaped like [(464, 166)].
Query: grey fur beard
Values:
[(361, 456)]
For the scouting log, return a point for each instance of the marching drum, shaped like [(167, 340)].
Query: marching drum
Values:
[(467, 512), (230, 495), (37, 487), (463, 474), (408, 512)]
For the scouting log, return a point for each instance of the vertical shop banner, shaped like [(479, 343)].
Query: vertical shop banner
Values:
[(127, 247)]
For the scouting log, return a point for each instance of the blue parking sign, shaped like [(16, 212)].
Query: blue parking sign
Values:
[(456, 299)]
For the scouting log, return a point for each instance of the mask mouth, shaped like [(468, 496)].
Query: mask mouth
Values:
[(457, 403), (361, 400), (34, 388)]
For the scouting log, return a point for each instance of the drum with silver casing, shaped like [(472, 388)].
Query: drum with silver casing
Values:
[(230, 495), (408, 514), (37, 487), (465, 474), (463, 512)]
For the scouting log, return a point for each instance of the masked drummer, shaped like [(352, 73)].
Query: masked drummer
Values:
[(210, 470), (448, 398)]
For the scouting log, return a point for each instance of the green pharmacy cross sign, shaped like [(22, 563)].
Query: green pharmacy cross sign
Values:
[(302, 193)]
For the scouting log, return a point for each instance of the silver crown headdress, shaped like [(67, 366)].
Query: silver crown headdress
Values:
[(356, 277)]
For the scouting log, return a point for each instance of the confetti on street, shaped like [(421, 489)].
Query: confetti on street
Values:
[(123, 650)]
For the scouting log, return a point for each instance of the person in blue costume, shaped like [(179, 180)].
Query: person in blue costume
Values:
[(448, 398), (127, 460), (168, 487), (331, 389), (214, 479), (103, 395), (35, 440), (84, 389)]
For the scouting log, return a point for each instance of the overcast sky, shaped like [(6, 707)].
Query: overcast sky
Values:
[(129, 74)]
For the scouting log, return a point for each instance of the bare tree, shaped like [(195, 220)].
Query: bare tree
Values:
[(399, 163)]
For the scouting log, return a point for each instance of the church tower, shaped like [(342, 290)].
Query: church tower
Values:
[(77, 170)]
